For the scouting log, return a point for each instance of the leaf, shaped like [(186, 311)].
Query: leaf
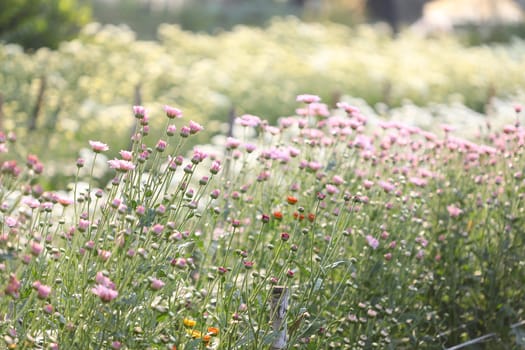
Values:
[(194, 344), (318, 284), (149, 218), (520, 336), (162, 317), (312, 329), (248, 338), (337, 263)]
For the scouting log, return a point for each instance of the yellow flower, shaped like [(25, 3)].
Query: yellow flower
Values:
[(189, 323), (194, 333)]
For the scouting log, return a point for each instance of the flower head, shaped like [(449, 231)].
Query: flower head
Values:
[(372, 242), (156, 284), (249, 120), (195, 127), (13, 287), (189, 323), (121, 165), (139, 112), (306, 98), (98, 146), (104, 293), (454, 211), (43, 291), (172, 112)]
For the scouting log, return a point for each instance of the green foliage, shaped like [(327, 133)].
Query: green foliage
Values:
[(41, 23)]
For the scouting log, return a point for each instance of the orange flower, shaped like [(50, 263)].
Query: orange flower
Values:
[(174, 347), (291, 199), (206, 339), (213, 331), (278, 215), (311, 217)]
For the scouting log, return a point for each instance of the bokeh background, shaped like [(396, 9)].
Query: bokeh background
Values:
[(70, 70)]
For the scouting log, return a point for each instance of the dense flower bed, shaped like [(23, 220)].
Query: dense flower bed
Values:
[(384, 235)]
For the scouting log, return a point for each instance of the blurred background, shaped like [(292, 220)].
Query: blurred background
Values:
[(70, 70), (36, 23)]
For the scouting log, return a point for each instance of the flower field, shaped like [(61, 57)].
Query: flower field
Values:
[(66, 96), (377, 234)]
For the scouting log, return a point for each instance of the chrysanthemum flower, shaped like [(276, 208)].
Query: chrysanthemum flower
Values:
[(98, 146)]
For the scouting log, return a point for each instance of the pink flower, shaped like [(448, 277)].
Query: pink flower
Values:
[(180, 263), (36, 248), (98, 146), (454, 211), (103, 280), (371, 313), (11, 221), (83, 225), (248, 264), (319, 109), (161, 145), (232, 143), (185, 131), (386, 186), (156, 284), (157, 229), (126, 155), (198, 156), (368, 184), (121, 165), (43, 291), (314, 166), (249, 120), (338, 180), (372, 242), (417, 181), (64, 201), (215, 167), (170, 130), (139, 112), (116, 345), (104, 254), (306, 98), (331, 189), (104, 293), (250, 147), (347, 107), (195, 127), (172, 112), (13, 287), (272, 130), (447, 128)]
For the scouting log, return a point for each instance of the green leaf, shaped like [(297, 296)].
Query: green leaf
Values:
[(162, 317)]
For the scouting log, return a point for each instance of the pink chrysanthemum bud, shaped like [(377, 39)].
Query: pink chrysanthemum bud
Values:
[(172, 112)]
